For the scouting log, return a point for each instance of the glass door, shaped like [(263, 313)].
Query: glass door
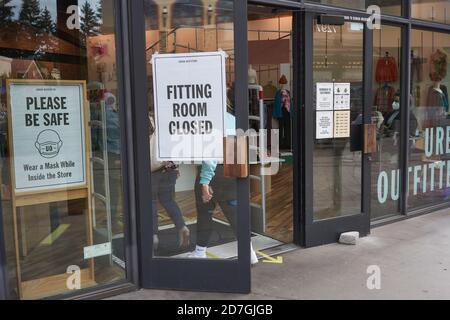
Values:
[(335, 158), (272, 114), (197, 209)]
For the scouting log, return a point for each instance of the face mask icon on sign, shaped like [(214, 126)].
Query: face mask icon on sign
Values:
[(48, 144)]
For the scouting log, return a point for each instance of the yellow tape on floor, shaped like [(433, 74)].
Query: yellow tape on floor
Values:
[(212, 256), (269, 259), (52, 237)]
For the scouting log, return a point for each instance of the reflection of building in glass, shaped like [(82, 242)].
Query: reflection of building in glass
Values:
[(187, 13), (224, 11), (151, 15)]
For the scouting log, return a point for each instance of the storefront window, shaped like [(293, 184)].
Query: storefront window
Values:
[(432, 10), (386, 115), (194, 200), (392, 7), (338, 78), (61, 171), (429, 166)]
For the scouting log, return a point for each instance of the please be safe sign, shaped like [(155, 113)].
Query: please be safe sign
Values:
[(47, 128), (190, 105)]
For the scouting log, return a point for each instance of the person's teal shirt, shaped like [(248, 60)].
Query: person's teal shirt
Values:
[(208, 170)]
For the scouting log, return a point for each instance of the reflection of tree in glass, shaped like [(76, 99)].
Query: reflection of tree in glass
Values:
[(37, 26), (99, 13), (46, 23), (6, 11), (90, 20), (30, 13), (46, 30)]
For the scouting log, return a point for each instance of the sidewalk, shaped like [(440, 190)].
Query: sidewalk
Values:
[(414, 257)]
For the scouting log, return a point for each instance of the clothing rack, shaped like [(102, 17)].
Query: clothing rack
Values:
[(100, 158), (257, 147), (99, 122)]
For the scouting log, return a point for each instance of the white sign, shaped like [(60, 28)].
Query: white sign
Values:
[(190, 105), (48, 135), (324, 125), (98, 250), (342, 96), (324, 100)]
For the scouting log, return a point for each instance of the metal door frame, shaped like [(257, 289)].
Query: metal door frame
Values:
[(186, 274), (312, 232), (3, 266), (298, 78)]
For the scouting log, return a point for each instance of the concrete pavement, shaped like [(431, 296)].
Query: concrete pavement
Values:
[(413, 256)]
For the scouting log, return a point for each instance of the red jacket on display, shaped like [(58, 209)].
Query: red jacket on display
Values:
[(387, 70)]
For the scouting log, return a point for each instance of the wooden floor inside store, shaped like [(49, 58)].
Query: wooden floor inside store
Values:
[(279, 206)]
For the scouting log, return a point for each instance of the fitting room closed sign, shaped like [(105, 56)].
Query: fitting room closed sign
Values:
[(48, 140), (190, 104)]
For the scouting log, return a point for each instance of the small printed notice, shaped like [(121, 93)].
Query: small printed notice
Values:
[(98, 250), (48, 134), (333, 110), (342, 96), (324, 101), (342, 124), (324, 125)]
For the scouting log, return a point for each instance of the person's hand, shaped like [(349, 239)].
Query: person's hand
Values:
[(207, 193)]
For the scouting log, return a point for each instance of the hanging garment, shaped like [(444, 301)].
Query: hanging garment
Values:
[(436, 108), (387, 70), (283, 100), (416, 69), (253, 99), (384, 97), (254, 110), (270, 91), (438, 66), (285, 126), (445, 91)]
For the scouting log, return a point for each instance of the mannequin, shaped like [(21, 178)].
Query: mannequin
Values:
[(252, 75), (438, 96)]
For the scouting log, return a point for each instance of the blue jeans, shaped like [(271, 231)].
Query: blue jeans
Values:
[(163, 189)]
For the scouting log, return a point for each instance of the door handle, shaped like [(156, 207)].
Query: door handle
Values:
[(370, 138), (235, 154)]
